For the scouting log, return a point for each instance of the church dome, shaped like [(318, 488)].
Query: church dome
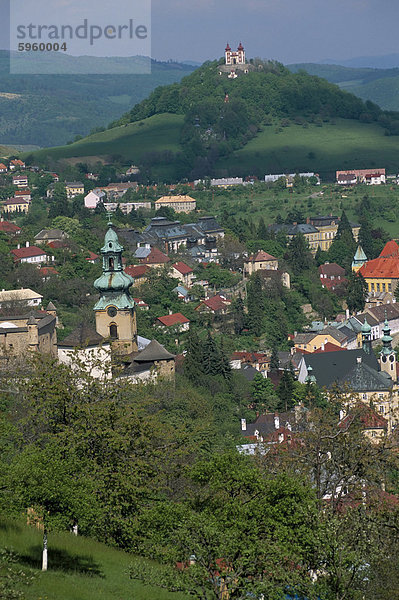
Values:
[(228, 48), (366, 327), (240, 47)]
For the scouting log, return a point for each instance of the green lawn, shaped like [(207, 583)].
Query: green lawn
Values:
[(79, 568), (157, 133), (347, 144)]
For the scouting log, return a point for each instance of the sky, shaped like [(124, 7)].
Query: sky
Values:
[(285, 30)]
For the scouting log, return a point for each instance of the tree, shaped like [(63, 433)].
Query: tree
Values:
[(299, 255), (285, 391), (256, 304), (274, 360), (357, 292), (238, 315), (263, 394)]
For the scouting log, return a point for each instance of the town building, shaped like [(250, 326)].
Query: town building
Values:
[(183, 273), (35, 332), (31, 254), (16, 163), (178, 203), (74, 188), (360, 176), (93, 198), (126, 207), (20, 181), (382, 273), (152, 257), (16, 205), (3, 168), (46, 236), (332, 277), (235, 63), (259, 261), (24, 298), (176, 320)]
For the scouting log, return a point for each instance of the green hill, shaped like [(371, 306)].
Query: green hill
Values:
[(267, 120), (378, 85), (79, 568), (49, 110)]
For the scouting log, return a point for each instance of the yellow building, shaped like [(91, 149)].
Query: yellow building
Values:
[(178, 203), (74, 188), (382, 273), (16, 205)]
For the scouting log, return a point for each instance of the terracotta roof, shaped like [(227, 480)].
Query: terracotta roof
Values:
[(27, 252), (368, 418), (92, 256), (182, 268), (390, 249), (48, 271), (261, 256), (215, 303), (329, 347), (137, 270), (386, 268), (21, 193), (8, 227), (12, 201), (155, 257), (176, 318)]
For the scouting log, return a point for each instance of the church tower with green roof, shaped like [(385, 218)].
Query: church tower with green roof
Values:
[(387, 354), (115, 309)]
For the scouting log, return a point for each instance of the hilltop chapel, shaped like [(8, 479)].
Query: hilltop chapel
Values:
[(235, 63)]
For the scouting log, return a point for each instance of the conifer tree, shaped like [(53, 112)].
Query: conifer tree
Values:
[(356, 293), (285, 391), (256, 304), (262, 232), (238, 315), (299, 255)]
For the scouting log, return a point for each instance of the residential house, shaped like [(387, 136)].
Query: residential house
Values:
[(94, 197), (92, 258), (8, 227), (153, 257), (361, 174), (47, 272), (382, 273), (271, 429), (140, 303), (177, 320), (74, 188), (346, 178), (385, 312), (139, 273), (178, 203), (24, 297), (216, 304), (16, 164), (332, 277), (272, 178), (13, 205), (312, 341), (3, 168), (358, 321), (183, 273), (31, 254), (46, 236), (126, 207), (225, 182), (117, 190), (374, 426), (182, 293), (20, 181), (260, 260), (374, 178)]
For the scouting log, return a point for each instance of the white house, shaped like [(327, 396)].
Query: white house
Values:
[(93, 198), (23, 296)]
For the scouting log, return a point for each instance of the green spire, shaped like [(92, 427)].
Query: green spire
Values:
[(386, 338), (114, 283), (366, 327), (310, 378)]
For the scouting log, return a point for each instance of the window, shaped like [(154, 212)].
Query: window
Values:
[(382, 409), (113, 331), (364, 396)]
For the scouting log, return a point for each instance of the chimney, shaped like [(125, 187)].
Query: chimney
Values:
[(307, 220), (347, 313), (322, 347), (18, 246), (359, 360), (276, 421), (243, 424), (341, 415), (280, 438), (27, 244)]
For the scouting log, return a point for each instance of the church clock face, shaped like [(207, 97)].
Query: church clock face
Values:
[(112, 312)]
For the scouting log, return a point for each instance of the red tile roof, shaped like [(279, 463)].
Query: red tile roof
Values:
[(215, 303), (8, 227), (58, 244), (27, 252), (177, 318), (155, 257), (182, 268), (390, 249), (91, 256), (368, 418), (137, 270), (329, 347), (387, 268), (21, 193), (45, 271), (261, 256)]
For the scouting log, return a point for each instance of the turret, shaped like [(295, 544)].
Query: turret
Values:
[(33, 333), (359, 259), (366, 336), (115, 310), (387, 354)]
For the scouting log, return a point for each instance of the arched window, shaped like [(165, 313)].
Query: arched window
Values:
[(111, 264), (113, 331)]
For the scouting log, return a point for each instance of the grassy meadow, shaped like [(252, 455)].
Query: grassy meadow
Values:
[(347, 144), (79, 568)]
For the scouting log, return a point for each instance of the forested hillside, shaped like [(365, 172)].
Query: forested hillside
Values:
[(49, 110)]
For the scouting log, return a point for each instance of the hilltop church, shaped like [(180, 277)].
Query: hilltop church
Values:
[(235, 63)]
